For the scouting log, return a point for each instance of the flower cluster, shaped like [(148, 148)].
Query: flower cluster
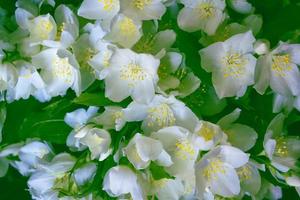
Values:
[(148, 139)]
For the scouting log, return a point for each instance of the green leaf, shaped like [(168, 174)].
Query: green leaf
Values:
[(158, 172), (89, 99)]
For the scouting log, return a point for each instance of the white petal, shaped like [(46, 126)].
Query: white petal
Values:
[(233, 156)]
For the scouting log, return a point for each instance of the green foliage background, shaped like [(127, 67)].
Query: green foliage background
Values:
[(29, 118)]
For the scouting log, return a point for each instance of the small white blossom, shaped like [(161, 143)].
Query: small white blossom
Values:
[(231, 63)]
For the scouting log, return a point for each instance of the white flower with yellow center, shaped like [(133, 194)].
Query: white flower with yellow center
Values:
[(94, 60), (141, 150), (205, 15), (161, 112), (59, 70), (283, 151), (112, 118), (131, 74), (143, 9), (99, 9), (181, 145), (216, 172), (29, 82), (120, 181), (209, 135), (279, 70), (171, 189), (231, 63), (67, 28), (124, 31)]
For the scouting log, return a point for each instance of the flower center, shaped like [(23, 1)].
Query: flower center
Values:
[(184, 148), (281, 148), (215, 166), (140, 4), (133, 73), (206, 10), (62, 69), (161, 116), (244, 173), (206, 132), (117, 115), (43, 28), (235, 65), (281, 64), (127, 27), (108, 5)]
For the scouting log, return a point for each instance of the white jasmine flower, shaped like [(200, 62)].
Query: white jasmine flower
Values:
[(172, 189), (99, 9), (94, 61), (209, 135), (283, 151), (42, 182), (132, 75), (231, 63), (205, 15), (96, 140), (121, 180), (216, 171), (31, 156), (59, 70), (161, 112), (112, 118), (249, 178), (80, 117), (29, 82), (141, 150), (10, 150), (124, 31), (181, 145), (279, 70), (67, 28), (143, 9), (85, 173), (238, 135)]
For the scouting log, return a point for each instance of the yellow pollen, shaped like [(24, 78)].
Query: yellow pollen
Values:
[(281, 148), (62, 69), (206, 132), (184, 149), (43, 28), (127, 27), (206, 10), (61, 28), (160, 183), (140, 4), (161, 116), (108, 5), (215, 166), (117, 115), (244, 173), (235, 65), (106, 59), (281, 64), (133, 73)]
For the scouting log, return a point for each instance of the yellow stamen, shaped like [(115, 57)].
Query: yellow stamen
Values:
[(161, 116), (62, 69), (108, 5), (184, 149), (235, 65), (127, 27), (215, 166), (244, 173), (206, 132), (206, 10), (281, 148), (281, 64), (140, 4)]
